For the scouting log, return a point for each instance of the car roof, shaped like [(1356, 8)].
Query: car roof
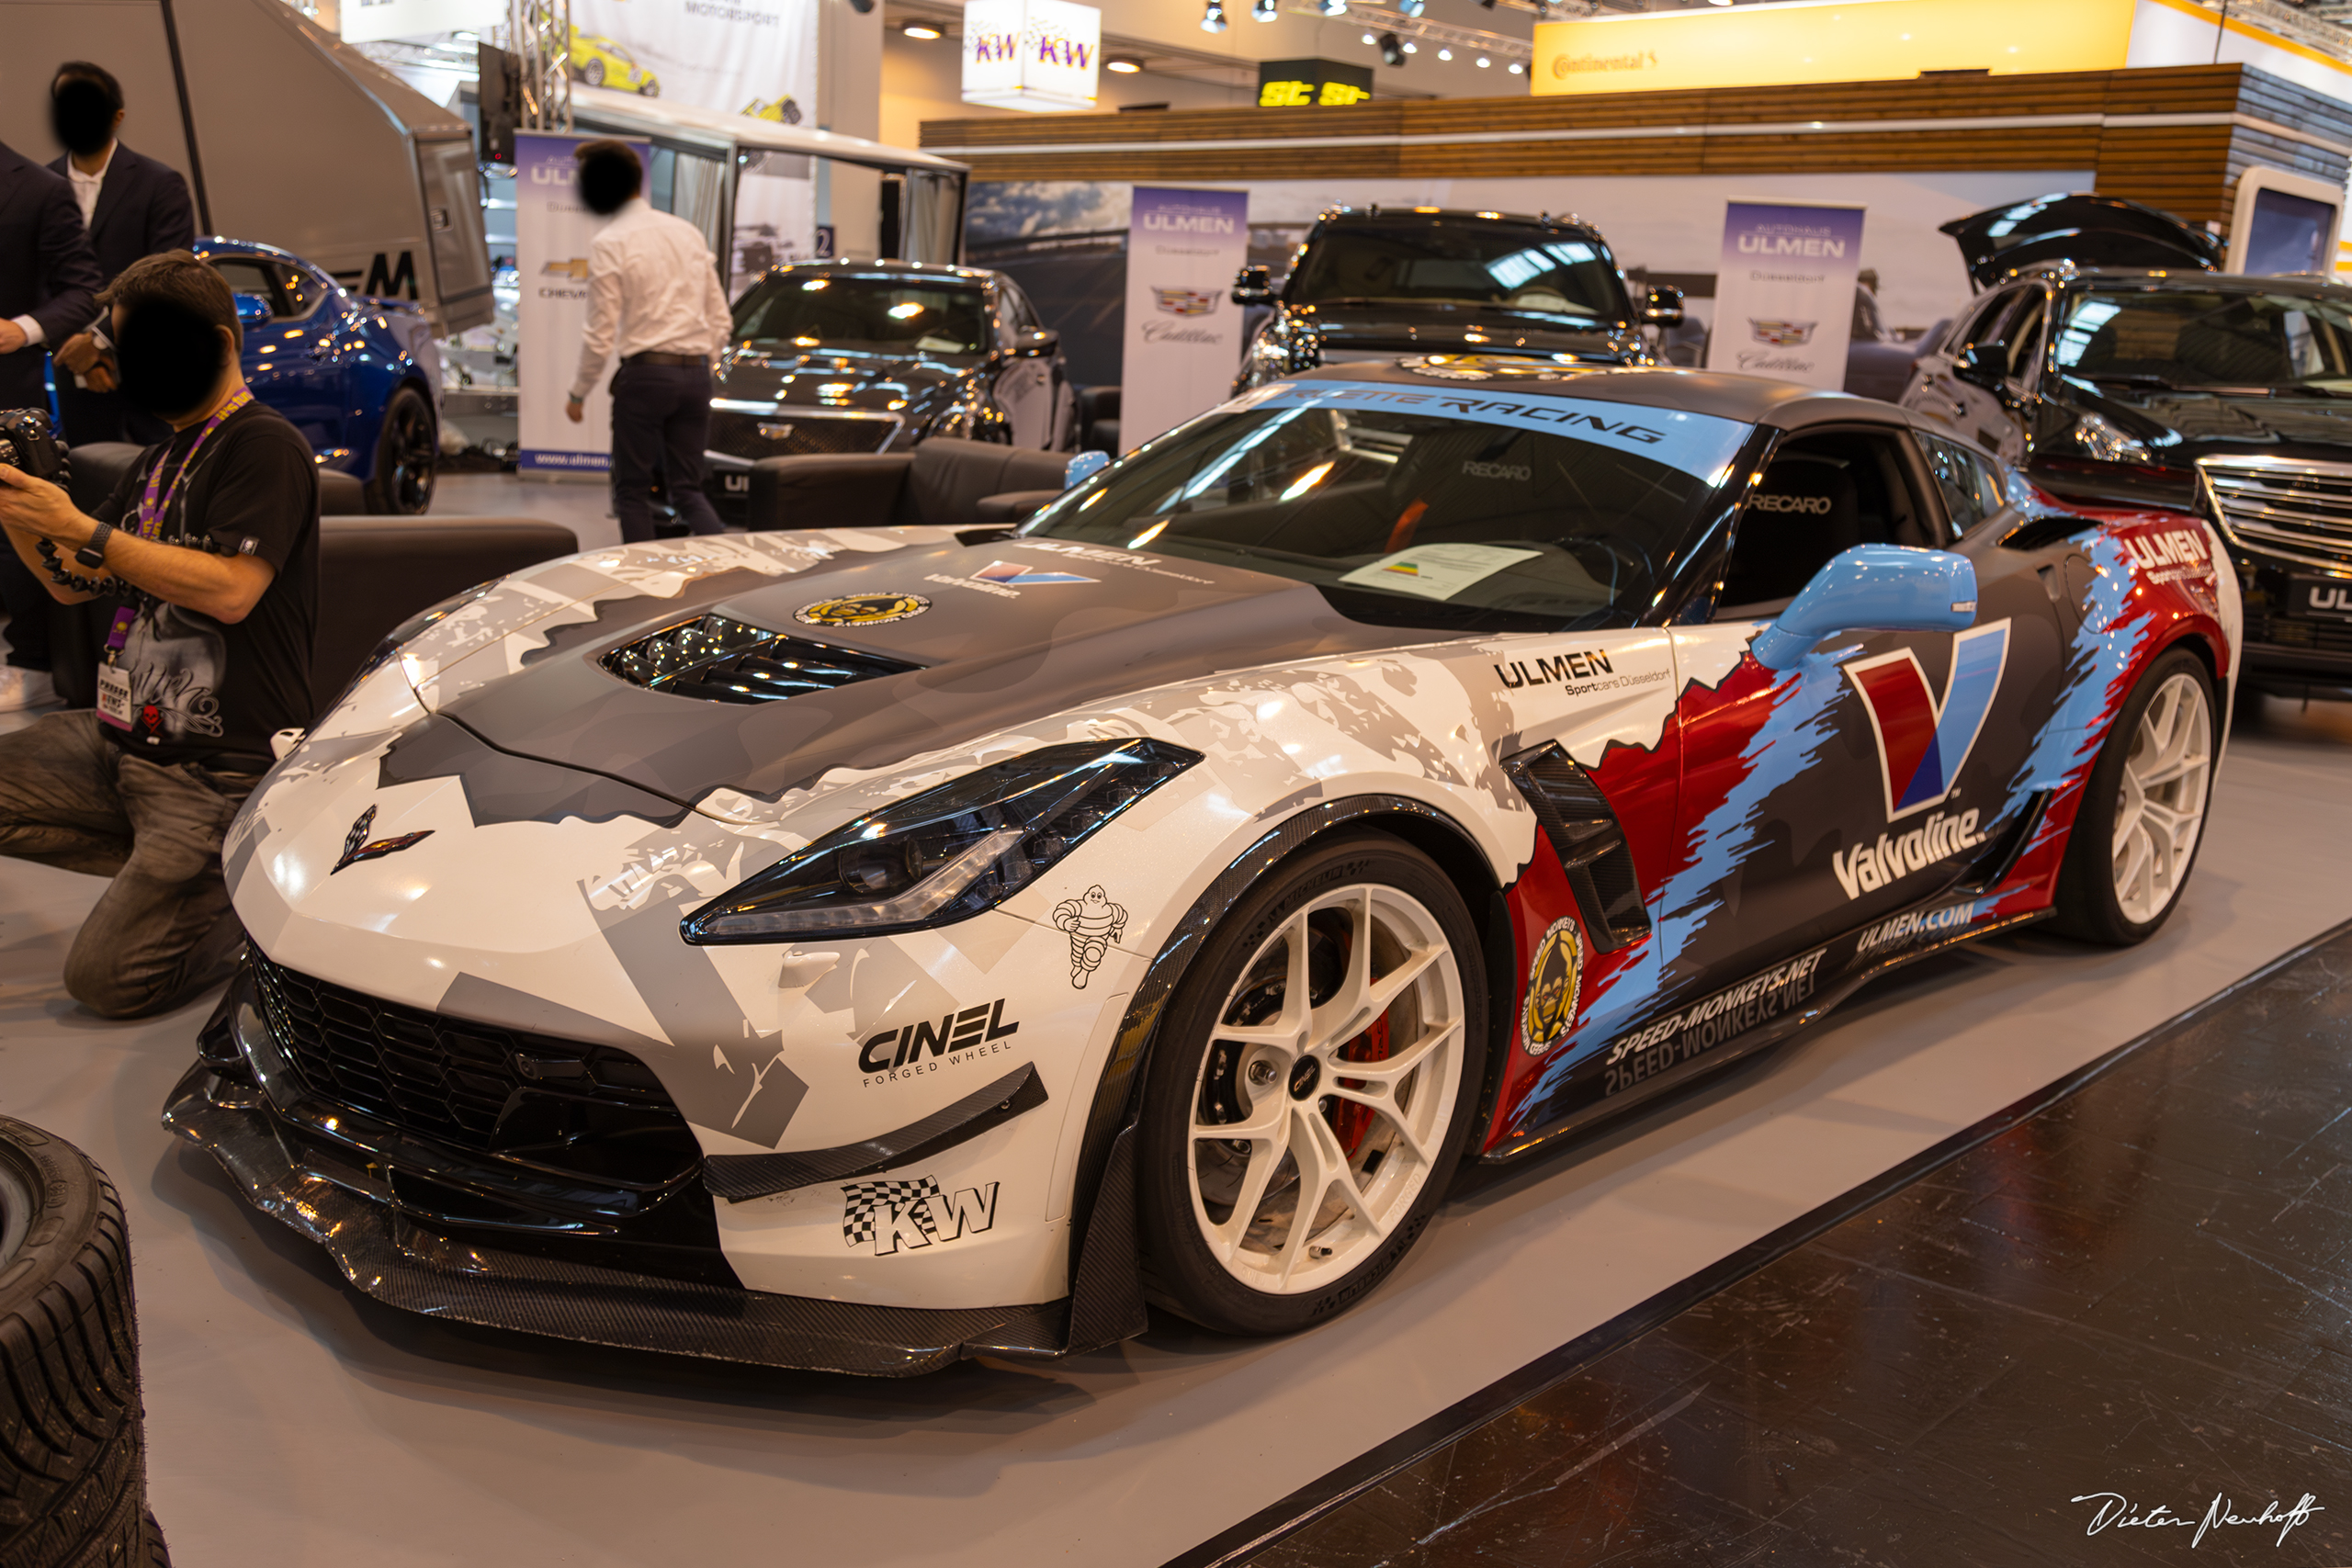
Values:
[(929, 272), (2186, 281), (1376, 216), (1752, 400)]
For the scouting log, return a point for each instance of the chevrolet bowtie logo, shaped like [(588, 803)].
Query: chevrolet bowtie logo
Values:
[(576, 269), (355, 847)]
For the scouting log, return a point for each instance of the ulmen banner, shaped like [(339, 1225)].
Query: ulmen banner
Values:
[(552, 231), (748, 57), (1784, 291), (1184, 339)]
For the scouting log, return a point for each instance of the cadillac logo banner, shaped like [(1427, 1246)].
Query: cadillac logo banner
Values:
[(1183, 336), (1784, 291)]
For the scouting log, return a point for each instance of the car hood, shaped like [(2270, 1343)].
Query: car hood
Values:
[(2089, 231), (2175, 428), (1387, 327), (915, 385), (1006, 634)]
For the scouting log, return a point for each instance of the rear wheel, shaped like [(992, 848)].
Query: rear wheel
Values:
[(2144, 809), (1312, 1091), (408, 453)]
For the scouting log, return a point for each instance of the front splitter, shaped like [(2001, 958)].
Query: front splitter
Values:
[(393, 1257)]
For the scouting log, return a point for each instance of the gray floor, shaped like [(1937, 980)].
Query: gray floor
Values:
[(294, 1422), (585, 507)]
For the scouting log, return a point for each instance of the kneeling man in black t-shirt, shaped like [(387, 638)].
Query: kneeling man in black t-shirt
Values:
[(208, 555)]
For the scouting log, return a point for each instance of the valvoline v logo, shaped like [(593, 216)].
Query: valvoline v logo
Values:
[(1922, 743)]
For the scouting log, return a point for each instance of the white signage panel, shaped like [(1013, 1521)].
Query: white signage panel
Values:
[(552, 231), (1183, 336), (1042, 55), (365, 21), (1784, 291)]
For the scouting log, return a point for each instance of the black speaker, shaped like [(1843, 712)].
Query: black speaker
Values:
[(501, 91)]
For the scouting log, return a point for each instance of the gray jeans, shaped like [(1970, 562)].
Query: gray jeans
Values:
[(163, 930)]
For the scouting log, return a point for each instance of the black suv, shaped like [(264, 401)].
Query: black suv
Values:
[(1386, 281), (2109, 361)]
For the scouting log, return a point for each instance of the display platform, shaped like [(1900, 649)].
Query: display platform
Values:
[(292, 1421)]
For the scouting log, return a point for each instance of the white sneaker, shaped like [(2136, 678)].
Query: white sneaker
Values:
[(26, 689)]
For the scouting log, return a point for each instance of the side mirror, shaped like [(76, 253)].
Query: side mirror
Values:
[(1253, 285), (1664, 308), (1878, 588), (253, 310), (1037, 345), (1984, 365), (1083, 466)]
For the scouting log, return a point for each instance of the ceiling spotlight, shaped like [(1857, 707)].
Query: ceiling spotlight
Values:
[(1483, 62), (1213, 19), (1412, 48), (1445, 54), (1391, 51), (1262, 10), (1718, 2), (1335, 7), (1412, 7), (920, 30), (1369, 38), (1517, 69), (1123, 66)]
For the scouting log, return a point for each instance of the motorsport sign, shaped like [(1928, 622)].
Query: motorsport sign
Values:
[(1784, 291)]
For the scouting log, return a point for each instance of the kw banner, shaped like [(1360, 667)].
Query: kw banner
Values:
[(1184, 341), (748, 57), (552, 231), (1784, 291)]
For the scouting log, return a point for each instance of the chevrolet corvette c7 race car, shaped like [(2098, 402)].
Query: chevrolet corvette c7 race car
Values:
[(862, 948)]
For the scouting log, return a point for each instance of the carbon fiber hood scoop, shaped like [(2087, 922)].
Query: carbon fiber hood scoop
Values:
[(720, 660)]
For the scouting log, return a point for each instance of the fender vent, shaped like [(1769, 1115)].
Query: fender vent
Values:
[(723, 660), (1591, 846)]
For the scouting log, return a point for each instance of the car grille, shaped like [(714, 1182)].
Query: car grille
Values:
[(795, 433), (723, 660), (2284, 631), (591, 1110), (2301, 511)]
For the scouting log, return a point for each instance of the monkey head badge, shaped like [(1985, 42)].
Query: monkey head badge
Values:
[(1552, 984), (1093, 923)]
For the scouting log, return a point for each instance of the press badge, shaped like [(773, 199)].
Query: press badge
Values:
[(114, 695)]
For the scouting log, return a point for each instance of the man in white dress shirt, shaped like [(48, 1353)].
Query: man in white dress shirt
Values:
[(653, 293)]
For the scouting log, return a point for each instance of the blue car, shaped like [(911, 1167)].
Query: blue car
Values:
[(359, 376)]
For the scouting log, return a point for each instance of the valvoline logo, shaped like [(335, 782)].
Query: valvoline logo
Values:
[(1922, 742)]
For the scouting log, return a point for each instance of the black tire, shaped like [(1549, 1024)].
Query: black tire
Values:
[(2089, 904), (408, 454), (593, 72), (72, 1447), (648, 89), (1181, 1273)]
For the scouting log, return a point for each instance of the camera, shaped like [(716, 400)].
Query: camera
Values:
[(27, 442)]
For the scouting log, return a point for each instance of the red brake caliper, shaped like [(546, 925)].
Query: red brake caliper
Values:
[(1351, 1121)]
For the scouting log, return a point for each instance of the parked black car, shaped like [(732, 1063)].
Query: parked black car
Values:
[(2111, 363), (875, 357), (1386, 281)]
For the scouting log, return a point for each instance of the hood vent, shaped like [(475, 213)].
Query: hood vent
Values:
[(723, 660)]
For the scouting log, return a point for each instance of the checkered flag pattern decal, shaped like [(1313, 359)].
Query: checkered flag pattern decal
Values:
[(860, 1200)]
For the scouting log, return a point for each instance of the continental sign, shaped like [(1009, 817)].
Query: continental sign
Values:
[(1828, 41)]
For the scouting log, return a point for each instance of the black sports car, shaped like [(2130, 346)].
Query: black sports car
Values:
[(873, 357), (1375, 284), (2109, 360)]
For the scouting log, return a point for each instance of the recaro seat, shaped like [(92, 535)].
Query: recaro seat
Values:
[(1804, 512)]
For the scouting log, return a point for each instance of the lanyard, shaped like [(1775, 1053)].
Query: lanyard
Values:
[(150, 524)]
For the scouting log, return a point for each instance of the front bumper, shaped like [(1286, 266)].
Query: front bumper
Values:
[(363, 1203)]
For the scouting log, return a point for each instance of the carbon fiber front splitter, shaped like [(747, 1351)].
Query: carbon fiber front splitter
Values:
[(392, 1256)]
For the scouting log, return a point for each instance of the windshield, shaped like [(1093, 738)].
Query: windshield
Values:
[(2196, 338), (1539, 270), (885, 315), (1455, 511)]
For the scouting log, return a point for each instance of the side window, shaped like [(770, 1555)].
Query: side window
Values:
[(1821, 493), (302, 291), (250, 275), (1977, 325), (2022, 332), (1971, 486)]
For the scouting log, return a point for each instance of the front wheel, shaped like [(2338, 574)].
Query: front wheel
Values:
[(1312, 1088), (593, 73), (407, 455), (2143, 809)]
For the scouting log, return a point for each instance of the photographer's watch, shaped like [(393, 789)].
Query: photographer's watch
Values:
[(94, 554)]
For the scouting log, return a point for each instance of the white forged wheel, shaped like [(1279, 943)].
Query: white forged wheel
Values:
[(1314, 1126), (2160, 807)]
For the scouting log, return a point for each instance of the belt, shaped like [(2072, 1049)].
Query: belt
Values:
[(654, 357)]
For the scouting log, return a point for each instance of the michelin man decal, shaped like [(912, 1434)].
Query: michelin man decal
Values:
[(1093, 923)]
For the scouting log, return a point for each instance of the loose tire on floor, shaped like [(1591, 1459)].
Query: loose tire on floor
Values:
[(408, 457), (73, 1450), (1363, 1095), (2142, 816)]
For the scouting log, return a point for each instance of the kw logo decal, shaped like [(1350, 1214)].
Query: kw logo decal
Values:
[(886, 1216), (1924, 744)]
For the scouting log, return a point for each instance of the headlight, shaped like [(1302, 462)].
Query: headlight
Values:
[(945, 854)]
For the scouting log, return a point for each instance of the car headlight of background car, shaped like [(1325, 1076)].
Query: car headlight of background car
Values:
[(945, 854)]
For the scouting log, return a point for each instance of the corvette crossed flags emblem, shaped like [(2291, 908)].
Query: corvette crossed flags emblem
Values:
[(355, 847)]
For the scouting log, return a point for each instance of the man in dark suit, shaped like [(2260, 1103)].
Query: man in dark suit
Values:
[(133, 207), (48, 284)]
